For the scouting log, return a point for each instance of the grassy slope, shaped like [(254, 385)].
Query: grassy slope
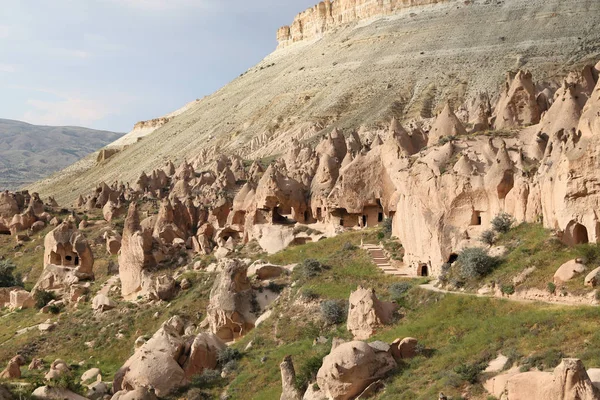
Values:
[(454, 329)]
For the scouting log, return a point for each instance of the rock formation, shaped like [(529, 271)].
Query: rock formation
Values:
[(350, 368), (13, 369), (288, 380), (568, 381), (367, 313)]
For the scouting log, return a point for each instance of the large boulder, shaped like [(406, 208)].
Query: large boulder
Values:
[(366, 313), (141, 393), (568, 271), (55, 393), (350, 368), (229, 311), (66, 246), (168, 359), (569, 381), (13, 369), (102, 302)]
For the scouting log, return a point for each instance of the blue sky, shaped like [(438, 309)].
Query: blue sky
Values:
[(107, 64)]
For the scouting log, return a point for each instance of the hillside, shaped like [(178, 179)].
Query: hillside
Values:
[(362, 73), (30, 152)]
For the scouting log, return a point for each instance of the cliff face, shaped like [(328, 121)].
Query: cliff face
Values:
[(328, 15)]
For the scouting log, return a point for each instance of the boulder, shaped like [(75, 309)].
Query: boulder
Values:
[(568, 381), (366, 313), (404, 349), (57, 369), (229, 310), (204, 353), (141, 393), (13, 369), (36, 364), (165, 287), (102, 302), (568, 271), (21, 299), (55, 393), (592, 279), (350, 368), (91, 375)]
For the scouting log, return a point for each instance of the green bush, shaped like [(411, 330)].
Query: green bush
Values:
[(311, 268), (488, 237), (8, 278), (309, 294), (348, 247), (308, 371), (475, 262), (386, 227), (551, 287), (508, 289), (228, 355), (502, 222), (333, 313), (42, 298), (399, 289), (469, 372)]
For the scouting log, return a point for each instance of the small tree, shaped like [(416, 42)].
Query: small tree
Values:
[(311, 268), (488, 237), (475, 262), (42, 298), (502, 222), (333, 313), (7, 276)]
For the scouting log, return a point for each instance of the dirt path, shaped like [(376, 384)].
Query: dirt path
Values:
[(431, 288)]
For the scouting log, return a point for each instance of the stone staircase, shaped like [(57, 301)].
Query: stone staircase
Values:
[(379, 258)]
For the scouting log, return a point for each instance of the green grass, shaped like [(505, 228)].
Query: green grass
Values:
[(530, 245)]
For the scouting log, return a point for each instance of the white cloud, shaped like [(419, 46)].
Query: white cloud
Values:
[(66, 111), (7, 68), (4, 31), (69, 53)]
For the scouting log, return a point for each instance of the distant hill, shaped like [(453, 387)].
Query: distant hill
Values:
[(30, 152)]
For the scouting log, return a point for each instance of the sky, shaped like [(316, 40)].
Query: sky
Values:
[(107, 64)]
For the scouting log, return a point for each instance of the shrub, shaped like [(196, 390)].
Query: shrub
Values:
[(308, 372), (275, 287), (229, 354), (333, 313), (7, 276), (311, 268), (386, 227), (475, 262), (551, 287), (348, 247), (502, 222), (507, 289), (207, 379), (445, 139), (469, 372), (309, 294), (399, 289), (488, 237), (42, 298)]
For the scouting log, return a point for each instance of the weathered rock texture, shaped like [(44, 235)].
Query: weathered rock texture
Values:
[(366, 313)]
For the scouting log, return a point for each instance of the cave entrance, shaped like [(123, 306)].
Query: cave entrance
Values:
[(575, 234), (423, 270), (452, 259), (476, 218)]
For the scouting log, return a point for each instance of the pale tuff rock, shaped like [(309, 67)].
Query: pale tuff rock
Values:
[(404, 349), (568, 271), (568, 381), (91, 375), (54, 393), (350, 368), (102, 302), (141, 393), (446, 125), (327, 15), (366, 313), (57, 369), (21, 299), (229, 314), (13, 369), (68, 260), (517, 105), (593, 278), (288, 380), (168, 359)]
